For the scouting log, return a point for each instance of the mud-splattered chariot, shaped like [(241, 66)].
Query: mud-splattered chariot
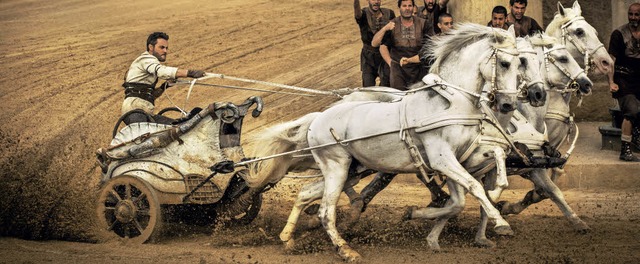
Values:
[(154, 173)]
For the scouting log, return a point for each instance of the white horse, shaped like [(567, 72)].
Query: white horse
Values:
[(580, 38), (561, 73), (582, 43), (429, 124)]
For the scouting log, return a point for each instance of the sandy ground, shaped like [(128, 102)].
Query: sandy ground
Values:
[(63, 65)]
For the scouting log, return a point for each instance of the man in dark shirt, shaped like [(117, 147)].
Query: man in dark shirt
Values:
[(431, 11), (524, 25), (499, 18), (403, 36), (371, 19), (624, 83)]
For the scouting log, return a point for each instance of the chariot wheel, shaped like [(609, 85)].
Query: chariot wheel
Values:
[(251, 212), (128, 207)]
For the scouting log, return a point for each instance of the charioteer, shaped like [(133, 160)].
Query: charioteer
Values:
[(140, 80)]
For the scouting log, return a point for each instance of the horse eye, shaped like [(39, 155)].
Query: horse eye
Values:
[(579, 32), (563, 59), (523, 62), (505, 64)]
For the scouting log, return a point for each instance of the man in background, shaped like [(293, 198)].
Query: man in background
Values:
[(403, 36), (624, 82), (524, 25), (431, 11), (370, 20), (499, 18)]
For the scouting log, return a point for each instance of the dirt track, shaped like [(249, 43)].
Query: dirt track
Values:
[(63, 65)]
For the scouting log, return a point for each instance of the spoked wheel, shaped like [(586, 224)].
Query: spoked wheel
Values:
[(251, 211), (128, 207)]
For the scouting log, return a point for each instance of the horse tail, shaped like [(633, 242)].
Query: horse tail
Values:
[(275, 140)]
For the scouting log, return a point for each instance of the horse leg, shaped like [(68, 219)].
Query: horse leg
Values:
[(438, 197), (500, 174), (355, 201), (379, 182), (448, 165), (455, 205), (541, 180), (307, 195), (481, 239), (533, 196), (335, 174)]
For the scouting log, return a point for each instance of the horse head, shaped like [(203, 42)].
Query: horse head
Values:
[(531, 82), (562, 72), (481, 59), (580, 38)]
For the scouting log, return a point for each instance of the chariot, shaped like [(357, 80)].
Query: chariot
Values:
[(155, 173)]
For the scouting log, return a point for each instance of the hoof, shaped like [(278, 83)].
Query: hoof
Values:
[(503, 207), (348, 254), (433, 245), (504, 230), (285, 236), (582, 227), (408, 213), (289, 245), (484, 243)]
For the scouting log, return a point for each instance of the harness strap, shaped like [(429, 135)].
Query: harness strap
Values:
[(418, 154)]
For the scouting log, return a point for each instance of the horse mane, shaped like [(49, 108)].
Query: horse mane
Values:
[(440, 47), (559, 20), (540, 39)]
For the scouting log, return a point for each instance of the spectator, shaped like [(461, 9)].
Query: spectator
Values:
[(370, 20), (431, 11), (624, 82), (499, 18), (403, 37), (524, 25)]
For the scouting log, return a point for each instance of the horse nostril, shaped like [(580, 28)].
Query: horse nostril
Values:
[(539, 96), (507, 107)]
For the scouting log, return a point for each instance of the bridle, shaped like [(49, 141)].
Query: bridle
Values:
[(572, 85), (578, 44), (490, 96), (526, 83)]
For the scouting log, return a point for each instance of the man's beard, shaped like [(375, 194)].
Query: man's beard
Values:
[(160, 58), (634, 24)]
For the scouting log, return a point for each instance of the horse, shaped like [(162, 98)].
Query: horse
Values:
[(560, 71), (582, 43), (421, 126)]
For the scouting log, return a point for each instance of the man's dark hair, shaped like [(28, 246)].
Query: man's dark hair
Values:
[(153, 38), (443, 15), (499, 10), (524, 2), (412, 2)]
